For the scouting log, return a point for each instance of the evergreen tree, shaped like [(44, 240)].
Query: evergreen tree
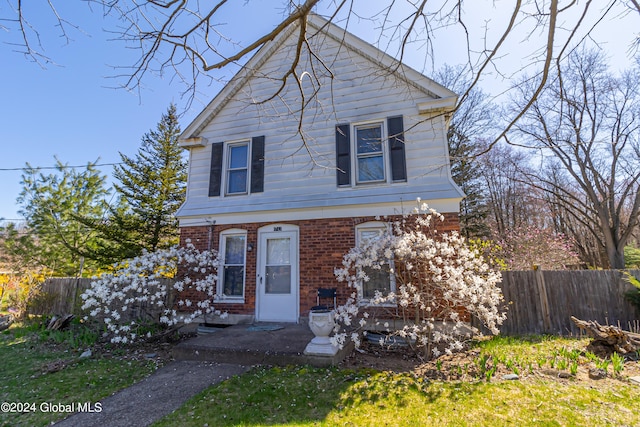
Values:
[(151, 186), (465, 172), (57, 208), (471, 123)]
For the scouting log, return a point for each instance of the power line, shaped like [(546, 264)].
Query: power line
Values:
[(59, 167)]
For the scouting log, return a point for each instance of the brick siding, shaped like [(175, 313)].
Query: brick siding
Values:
[(322, 244)]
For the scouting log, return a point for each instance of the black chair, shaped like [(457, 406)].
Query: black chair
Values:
[(324, 294)]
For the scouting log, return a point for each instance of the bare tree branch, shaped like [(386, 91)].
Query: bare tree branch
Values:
[(585, 121), (185, 39)]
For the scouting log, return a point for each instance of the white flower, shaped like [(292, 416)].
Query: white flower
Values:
[(440, 279), (137, 281)]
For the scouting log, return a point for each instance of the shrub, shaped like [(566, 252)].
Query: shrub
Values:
[(5, 281), (631, 257), (25, 292), (440, 282), (633, 296), (526, 246), (132, 300)]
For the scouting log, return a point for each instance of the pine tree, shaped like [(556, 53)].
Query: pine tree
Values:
[(151, 186), (465, 172), (472, 122), (58, 209)]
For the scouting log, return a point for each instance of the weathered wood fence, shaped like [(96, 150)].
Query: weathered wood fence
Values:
[(60, 295), (543, 301), (536, 301)]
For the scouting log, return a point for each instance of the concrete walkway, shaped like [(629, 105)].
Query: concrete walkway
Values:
[(158, 395), (201, 362), (278, 344)]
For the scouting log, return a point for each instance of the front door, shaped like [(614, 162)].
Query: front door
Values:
[(277, 281)]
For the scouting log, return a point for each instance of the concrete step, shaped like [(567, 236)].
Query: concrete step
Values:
[(258, 344)]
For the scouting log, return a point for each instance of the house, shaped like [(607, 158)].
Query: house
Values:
[(283, 192)]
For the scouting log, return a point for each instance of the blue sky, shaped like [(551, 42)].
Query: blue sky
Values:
[(72, 111), (69, 110)]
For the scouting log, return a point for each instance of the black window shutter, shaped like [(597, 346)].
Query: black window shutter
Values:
[(215, 175), (396, 149), (257, 164), (343, 155)]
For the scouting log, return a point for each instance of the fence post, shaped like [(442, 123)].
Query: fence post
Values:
[(544, 302), (75, 295)]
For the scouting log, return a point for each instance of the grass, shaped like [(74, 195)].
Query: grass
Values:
[(44, 367), (41, 367), (522, 354), (326, 397), (304, 396)]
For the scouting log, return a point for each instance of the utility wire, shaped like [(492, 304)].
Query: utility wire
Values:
[(58, 167), (50, 168)]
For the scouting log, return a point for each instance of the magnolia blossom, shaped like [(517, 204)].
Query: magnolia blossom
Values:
[(523, 247), (439, 281), (136, 283)]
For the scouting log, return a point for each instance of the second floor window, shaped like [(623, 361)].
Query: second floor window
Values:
[(237, 168), (370, 152), (370, 162)]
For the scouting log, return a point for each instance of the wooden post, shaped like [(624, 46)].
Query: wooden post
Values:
[(75, 296), (544, 302)]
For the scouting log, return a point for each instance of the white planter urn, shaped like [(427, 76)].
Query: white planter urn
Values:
[(321, 324)]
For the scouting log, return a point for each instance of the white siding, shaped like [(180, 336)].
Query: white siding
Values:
[(296, 179)]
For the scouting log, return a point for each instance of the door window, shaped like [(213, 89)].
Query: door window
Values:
[(278, 266)]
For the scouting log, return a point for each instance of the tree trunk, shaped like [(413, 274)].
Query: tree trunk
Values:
[(616, 259), (613, 244), (621, 341)]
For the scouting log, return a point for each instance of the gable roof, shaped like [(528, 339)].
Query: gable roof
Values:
[(444, 99)]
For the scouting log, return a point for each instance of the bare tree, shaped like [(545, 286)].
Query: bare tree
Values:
[(187, 39), (586, 125), (573, 223), (511, 201)]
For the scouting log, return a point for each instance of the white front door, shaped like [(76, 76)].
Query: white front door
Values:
[(277, 281)]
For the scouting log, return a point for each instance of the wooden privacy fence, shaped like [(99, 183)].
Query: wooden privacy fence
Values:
[(536, 301), (60, 295), (544, 301)]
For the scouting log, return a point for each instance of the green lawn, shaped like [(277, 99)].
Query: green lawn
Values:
[(303, 396), (41, 368)]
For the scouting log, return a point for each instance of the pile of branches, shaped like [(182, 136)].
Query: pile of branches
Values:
[(5, 322), (623, 342), (59, 322)]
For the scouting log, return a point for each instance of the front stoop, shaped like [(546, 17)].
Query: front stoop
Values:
[(244, 345)]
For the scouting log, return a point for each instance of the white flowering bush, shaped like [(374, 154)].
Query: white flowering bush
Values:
[(134, 297), (439, 284)]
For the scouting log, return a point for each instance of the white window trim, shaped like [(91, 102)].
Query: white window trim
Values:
[(385, 153), (226, 158), (220, 297), (371, 226)]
